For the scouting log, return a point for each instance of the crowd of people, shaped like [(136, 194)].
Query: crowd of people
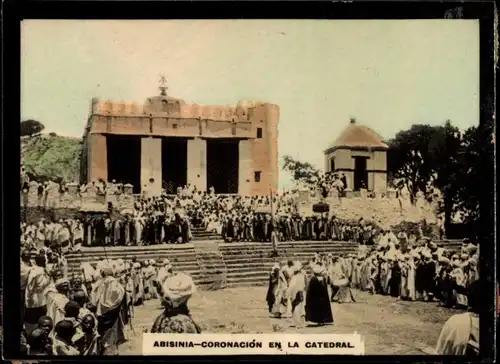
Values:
[(90, 313), (423, 272), (171, 219)]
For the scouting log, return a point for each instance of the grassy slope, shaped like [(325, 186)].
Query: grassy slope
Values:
[(52, 156)]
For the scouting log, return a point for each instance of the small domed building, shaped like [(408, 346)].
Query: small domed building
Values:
[(360, 154)]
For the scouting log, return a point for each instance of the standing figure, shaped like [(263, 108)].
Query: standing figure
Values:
[(296, 293), (318, 309), (278, 293), (176, 291), (110, 300)]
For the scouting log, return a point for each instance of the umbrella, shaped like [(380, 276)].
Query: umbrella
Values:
[(263, 210), (93, 207), (127, 212)]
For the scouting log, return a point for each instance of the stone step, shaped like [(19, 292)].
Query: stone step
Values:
[(245, 264), (238, 281), (144, 254), (252, 283), (189, 252), (287, 248), (132, 248), (229, 257)]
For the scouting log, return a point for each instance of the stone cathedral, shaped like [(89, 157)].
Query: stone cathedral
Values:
[(165, 143)]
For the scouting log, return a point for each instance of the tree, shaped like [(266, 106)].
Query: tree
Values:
[(446, 149), (409, 160), (477, 178), (302, 172), (31, 127)]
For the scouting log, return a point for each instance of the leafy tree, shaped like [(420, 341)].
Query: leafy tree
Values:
[(477, 166), (302, 172), (409, 160), (52, 158), (446, 149), (31, 127)]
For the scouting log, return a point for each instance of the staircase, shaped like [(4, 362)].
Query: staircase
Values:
[(223, 264), (201, 234), (249, 264), (212, 266), (243, 264)]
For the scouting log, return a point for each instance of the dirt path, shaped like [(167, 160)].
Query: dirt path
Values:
[(389, 326)]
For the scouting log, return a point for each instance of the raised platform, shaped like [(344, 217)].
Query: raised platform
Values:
[(243, 264)]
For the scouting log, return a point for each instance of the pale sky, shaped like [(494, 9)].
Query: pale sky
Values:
[(388, 74)]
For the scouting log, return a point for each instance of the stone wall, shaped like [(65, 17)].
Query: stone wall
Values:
[(384, 209), (73, 199)]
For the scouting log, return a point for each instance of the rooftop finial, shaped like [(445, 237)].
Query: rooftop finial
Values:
[(353, 120), (163, 85)]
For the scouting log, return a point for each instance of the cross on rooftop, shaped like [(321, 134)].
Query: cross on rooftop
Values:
[(163, 85)]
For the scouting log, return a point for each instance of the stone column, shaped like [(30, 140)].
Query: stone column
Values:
[(98, 158), (151, 165), (197, 163), (371, 182), (379, 181), (245, 173)]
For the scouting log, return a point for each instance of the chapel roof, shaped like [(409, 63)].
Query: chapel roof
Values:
[(357, 136)]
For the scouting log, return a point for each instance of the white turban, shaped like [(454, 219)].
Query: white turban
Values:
[(178, 289)]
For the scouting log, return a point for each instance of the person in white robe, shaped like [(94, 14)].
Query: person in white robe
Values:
[(164, 271), (78, 236), (410, 276), (37, 283), (25, 271), (460, 334), (110, 300), (460, 280), (296, 293), (57, 298), (280, 306)]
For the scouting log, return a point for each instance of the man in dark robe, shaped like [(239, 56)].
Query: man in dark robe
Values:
[(229, 229), (318, 308), (161, 235), (395, 281)]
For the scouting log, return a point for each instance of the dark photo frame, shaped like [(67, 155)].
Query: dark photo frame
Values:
[(14, 11)]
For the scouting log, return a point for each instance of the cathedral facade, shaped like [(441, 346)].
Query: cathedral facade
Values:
[(166, 143)]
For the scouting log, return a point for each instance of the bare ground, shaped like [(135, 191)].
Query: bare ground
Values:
[(389, 326)]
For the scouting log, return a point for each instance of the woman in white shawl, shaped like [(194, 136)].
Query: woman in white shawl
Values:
[(279, 291), (341, 292), (296, 292)]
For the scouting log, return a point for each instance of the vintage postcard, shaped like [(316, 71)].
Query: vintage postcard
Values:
[(240, 187)]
